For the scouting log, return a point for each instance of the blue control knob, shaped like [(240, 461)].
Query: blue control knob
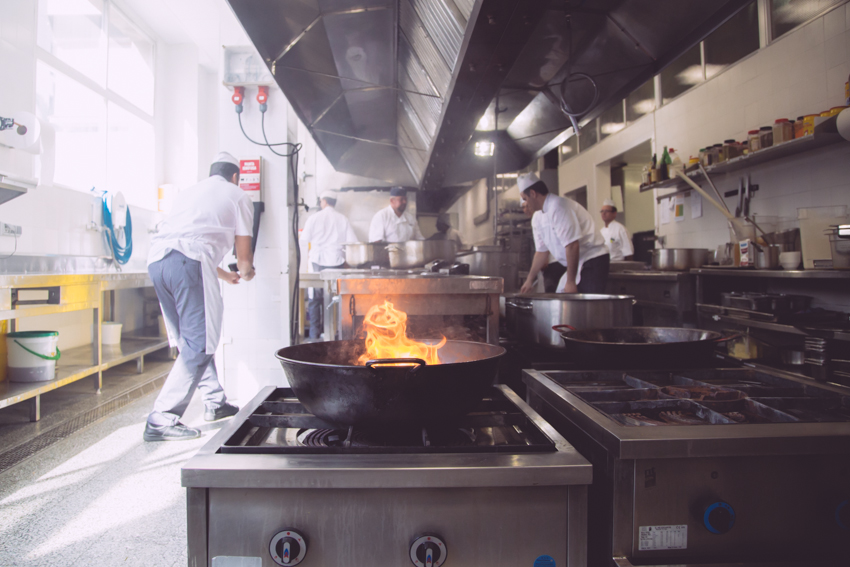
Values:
[(842, 514), (719, 518)]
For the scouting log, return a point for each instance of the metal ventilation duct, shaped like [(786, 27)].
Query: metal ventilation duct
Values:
[(394, 89)]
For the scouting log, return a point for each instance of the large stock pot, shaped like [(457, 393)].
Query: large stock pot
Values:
[(531, 316)]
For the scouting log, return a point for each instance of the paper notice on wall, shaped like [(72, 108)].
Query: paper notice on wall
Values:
[(679, 208), (696, 205), (666, 208)]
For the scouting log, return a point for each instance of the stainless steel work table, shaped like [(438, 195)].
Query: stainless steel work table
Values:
[(28, 295)]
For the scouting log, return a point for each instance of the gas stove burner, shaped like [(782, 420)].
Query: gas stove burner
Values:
[(373, 438)]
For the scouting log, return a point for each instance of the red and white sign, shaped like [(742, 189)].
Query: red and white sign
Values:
[(250, 175)]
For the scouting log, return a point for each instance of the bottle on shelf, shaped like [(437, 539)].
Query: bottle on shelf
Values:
[(664, 165)]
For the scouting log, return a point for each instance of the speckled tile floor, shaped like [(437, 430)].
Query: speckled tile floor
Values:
[(101, 497)]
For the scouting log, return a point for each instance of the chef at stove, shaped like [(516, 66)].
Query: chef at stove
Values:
[(615, 234), (570, 234), (393, 223)]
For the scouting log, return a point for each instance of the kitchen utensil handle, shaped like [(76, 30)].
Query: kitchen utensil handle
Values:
[(702, 192), (729, 338), (417, 361), (560, 328), (512, 303)]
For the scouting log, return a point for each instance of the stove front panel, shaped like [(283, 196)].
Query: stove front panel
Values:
[(501, 527), (737, 508)]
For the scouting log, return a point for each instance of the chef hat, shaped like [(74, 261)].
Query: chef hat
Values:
[(398, 192), (609, 203), (526, 180), (224, 157), (328, 194)]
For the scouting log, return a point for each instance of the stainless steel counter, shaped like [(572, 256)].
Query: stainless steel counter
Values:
[(664, 299), (774, 274)]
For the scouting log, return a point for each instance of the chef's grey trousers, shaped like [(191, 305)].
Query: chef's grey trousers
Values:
[(179, 286)]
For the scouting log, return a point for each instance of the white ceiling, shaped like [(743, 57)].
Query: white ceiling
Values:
[(208, 24)]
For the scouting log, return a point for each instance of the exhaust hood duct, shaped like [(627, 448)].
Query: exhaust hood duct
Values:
[(394, 89)]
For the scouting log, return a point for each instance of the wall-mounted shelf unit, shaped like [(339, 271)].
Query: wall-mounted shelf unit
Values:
[(825, 135)]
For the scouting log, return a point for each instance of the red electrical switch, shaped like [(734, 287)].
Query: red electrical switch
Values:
[(263, 95)]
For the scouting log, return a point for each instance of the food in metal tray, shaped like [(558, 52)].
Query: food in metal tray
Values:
[(637, 419), (680, 418), (699, 393)]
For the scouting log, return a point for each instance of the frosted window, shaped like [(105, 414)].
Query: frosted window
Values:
[(682, 74), (131, 62), (732, 41), (130, 157), (785, 15), (78, 116), (612, 120), (73, 31), (641, 101)]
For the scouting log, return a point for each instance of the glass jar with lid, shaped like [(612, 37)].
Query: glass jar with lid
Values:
[(782, 131), (732, 148), (765, 137)]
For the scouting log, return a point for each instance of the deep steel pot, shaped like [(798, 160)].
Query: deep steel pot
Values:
[(416, 253), (642, 347), (530, 317), (367, 254), (678, 259), (335, 390)]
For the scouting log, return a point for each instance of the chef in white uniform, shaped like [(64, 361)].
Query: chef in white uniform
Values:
[(325, 233), (393, 223), (570, 235), (615, 234), (205, 222), (446, 232)]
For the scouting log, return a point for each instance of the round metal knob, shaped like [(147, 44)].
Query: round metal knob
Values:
[(428, 551), (719, 518), (288, 547)]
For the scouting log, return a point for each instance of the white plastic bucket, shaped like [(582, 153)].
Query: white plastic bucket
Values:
[(32, 355), (110, 333)]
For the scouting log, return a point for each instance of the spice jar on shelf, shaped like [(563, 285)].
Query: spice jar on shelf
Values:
[(809, 124), (732, 148), (753, 141), (799, 126), (782, 131), (835, 110), (765, 137)]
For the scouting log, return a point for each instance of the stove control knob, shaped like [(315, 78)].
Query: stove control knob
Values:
[(288, 547), (719, 518), (428, 551), (842, 514)]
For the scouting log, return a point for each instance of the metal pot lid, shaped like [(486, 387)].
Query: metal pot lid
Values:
[(571, 296), (697, 335)]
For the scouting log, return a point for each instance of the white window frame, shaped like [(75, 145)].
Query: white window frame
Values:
[(104, 91)]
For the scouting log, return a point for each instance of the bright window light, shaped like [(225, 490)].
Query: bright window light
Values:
[(484, 148)]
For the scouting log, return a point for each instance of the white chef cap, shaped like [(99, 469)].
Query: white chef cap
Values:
[(526, 180), (224, 157), (328, 194), (609, 203)]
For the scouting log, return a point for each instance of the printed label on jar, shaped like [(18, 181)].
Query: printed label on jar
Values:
[(654, 538)]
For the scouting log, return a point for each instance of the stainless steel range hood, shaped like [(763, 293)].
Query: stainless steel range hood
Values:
[(395, 89)]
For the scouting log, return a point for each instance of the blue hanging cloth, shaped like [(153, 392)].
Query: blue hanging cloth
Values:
[(121, 253)]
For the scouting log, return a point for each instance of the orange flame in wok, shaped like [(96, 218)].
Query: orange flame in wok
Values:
[(386, 337)]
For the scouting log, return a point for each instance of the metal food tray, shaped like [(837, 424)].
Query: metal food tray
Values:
[(736, 313), (817, 410), (651, 409), (626, 395), (753, 410)]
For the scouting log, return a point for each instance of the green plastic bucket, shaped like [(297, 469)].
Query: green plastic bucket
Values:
[(32, 355)]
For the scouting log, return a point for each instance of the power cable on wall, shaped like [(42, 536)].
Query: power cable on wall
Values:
[(292, 157)]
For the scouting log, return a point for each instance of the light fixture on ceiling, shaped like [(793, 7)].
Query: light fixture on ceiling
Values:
[(484, 148)]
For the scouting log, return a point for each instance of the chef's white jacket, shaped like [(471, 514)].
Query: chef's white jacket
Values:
[(563, 221), (617, 240), (203, 225), (326, 232), (389, 227)]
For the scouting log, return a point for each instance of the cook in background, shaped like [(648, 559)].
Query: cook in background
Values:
[(615, 234), (553, 271), (446, 232), (393, 223), (205, 222), (570, 234), (325, 233)]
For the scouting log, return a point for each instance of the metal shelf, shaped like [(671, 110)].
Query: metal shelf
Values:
[(132, 346), (769, 326), (825, 135), (34, 310), (782, 274)]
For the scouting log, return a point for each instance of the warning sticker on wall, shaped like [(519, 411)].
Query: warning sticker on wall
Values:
[(663, 537), (249, 177)]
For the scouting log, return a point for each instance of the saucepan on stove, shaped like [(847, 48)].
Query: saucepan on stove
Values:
[(393, 391), (643, 347)]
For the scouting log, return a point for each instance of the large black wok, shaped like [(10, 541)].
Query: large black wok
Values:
[(330, 386), (641, 347)]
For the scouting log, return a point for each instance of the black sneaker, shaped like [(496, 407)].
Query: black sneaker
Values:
[(176, 432), (224, 410)]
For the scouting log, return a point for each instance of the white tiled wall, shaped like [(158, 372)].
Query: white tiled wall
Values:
[(802, 72)]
